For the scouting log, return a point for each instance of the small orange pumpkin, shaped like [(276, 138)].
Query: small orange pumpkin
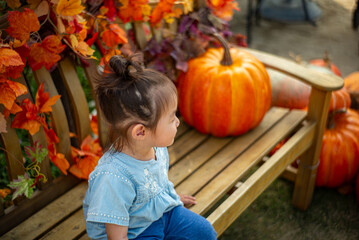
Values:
[(224, 92)]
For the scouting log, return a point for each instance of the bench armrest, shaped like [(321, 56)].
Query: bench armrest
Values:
[(321, 81)]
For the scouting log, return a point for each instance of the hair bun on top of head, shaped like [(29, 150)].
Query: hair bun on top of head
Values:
[(124, 66)]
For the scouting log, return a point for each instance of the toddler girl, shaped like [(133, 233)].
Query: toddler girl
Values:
[(129, 195)]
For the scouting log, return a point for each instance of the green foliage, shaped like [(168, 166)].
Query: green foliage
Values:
[(22, 185), (26, 184)]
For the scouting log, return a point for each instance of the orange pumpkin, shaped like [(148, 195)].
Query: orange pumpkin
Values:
[(339, 158), (226, 96), (351, 83), (290, 93)]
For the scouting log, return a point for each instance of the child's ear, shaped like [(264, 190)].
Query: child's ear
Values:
[(138, 132)]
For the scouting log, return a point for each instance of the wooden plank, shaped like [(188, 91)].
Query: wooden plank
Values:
[(196, 158), (236, 203), (326, 82), (182, 128), (103, 127), (184, 145), (227, 154), (305, 182), (58, 115), (13, 154), (50, 215), (77, 99), (71, 228), (226, 179), (139, 34), (84, 237)]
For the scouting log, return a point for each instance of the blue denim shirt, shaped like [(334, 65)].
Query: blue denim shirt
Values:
[(128, 192)]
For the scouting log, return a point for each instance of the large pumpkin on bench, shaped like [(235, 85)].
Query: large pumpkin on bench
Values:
[(224, 92)]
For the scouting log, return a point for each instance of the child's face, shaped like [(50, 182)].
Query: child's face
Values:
[(167, 127)]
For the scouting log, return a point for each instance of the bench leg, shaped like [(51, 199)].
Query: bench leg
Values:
[(305, 180)]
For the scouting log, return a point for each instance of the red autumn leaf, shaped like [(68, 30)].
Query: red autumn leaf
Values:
[(111, 13), (92, 40), (27, 118), (9, 91), (11, 64), (43, 102), (23, 51), (113, 36), (45, 53), (22, 24)]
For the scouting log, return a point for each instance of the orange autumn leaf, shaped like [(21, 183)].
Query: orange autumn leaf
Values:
[(58, 159), (43, 101), (164, 7), (22, 24), (45, 53), (27, 118), (9, 91), (68, 8), (113, 36), (4, 192), (11, 64), (14, 109), (106, 58), (86, 158), (136, 10), (223, 8), (94, 124), (84, 167)]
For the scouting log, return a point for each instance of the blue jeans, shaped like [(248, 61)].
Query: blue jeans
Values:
[(179, 224)]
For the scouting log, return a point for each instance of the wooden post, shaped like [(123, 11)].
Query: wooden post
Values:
[(305, 181)]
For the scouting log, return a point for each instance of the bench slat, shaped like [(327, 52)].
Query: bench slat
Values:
[(196, 158), (225, 180), (103, 126), (234, 205), (185, 144), (77, 97), (214, 165), (73, 227), (50, 215)]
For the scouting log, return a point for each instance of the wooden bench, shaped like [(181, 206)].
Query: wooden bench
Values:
[(225, 174), (201, 165)]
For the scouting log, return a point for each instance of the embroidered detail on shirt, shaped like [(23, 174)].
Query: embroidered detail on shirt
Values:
[(92, 177), (150, 184), (109, 216)]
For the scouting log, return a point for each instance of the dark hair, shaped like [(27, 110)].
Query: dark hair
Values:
[(129, 94)]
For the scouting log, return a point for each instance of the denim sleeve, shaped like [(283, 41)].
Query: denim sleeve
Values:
[(110, 197)]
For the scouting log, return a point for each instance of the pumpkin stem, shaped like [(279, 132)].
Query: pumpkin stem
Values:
[(227, 59), (331, 115)]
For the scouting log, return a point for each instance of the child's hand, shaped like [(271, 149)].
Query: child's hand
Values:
[(187, 200)]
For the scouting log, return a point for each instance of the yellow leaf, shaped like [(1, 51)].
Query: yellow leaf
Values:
[(74, 41), (68, 8)]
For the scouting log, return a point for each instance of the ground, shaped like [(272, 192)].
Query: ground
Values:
[(333, 33), (331, 215)]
